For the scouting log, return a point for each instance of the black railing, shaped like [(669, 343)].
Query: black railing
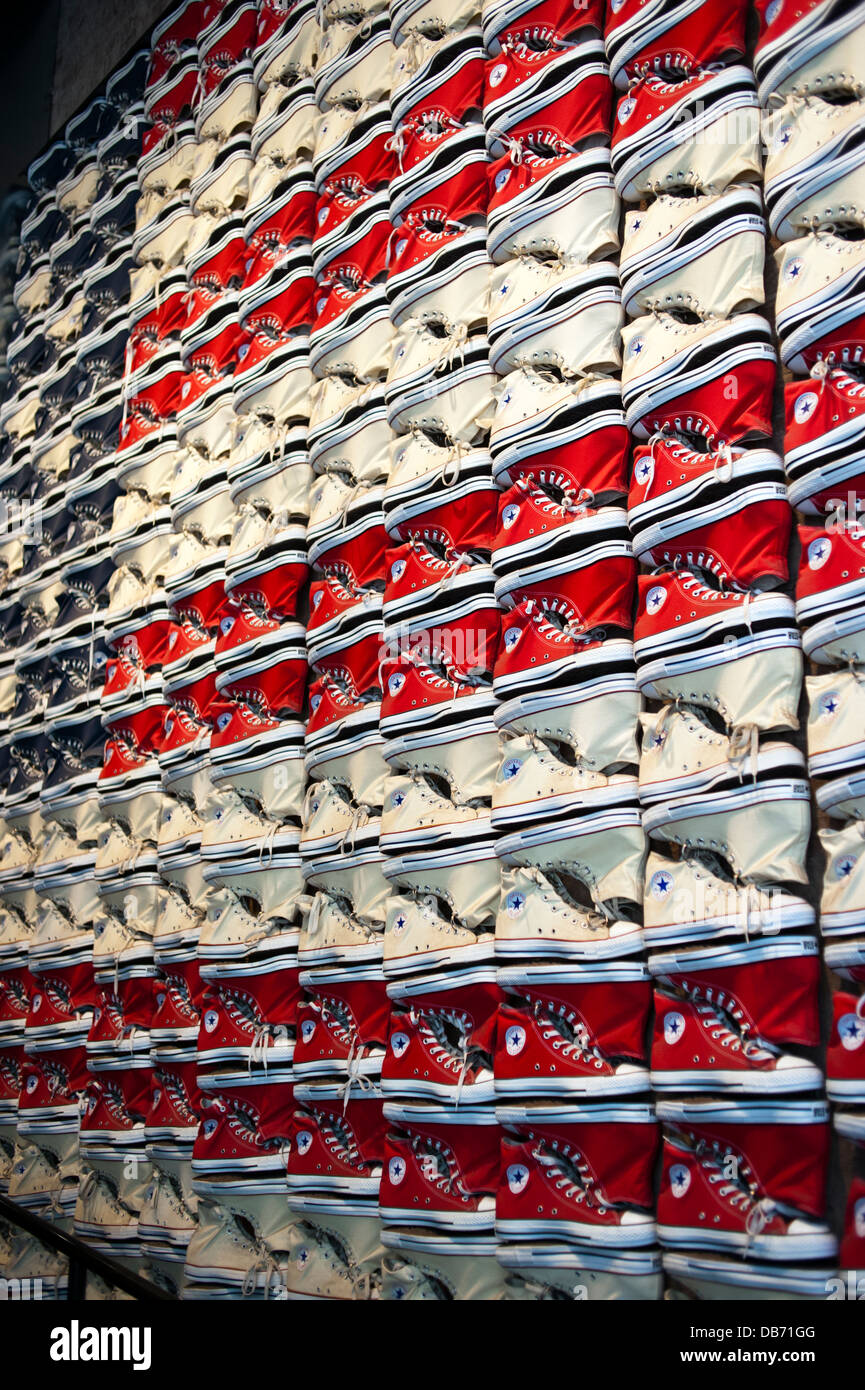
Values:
[(81, 1258)]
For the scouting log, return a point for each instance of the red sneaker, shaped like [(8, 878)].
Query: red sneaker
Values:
[(440, 1167), (447, 68), (830, 593), (338, 1145), (341, 1024), (344, 632), (177, 993), (61, 1000), (579, 1173), (441, 605), (683, 509), (651, 36), (575, 1031), (824, 437), (442, 162), (175, 1100), (442, 1038), (271, 682), (715, 1000), (539, 80), (417, 699), (247, 1015), (116, 1104)]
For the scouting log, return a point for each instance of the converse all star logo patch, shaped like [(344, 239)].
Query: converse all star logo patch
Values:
[(680, 1179), (518, 1176), (515, 1040), (399, 1043), (674, 1027)]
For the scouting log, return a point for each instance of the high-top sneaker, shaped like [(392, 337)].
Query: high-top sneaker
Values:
[(438, 266), (845, 1057), (813, 158), (737, 654), (823, 441), (341, 1024), (819, 294), (440, 1168), (836, 704), (439, 724), (683, 506), (829, 594), (745, 1177), (242, 735), (175, 1100), (531, 773), (702, 253), (533, 84), (168, 1215), (247, 1014), (237, 832), (123, 1014), (332, 821), (442, 1037), (448, 67), (532, 301), (660, 132), (811, 50), (330, 934), (435, 604), (581, 1174), (715, 1000), (545, 198), (177, 994), (644, 37), (334, 1254), (458, 1269), (593, 589), (695, 898), (244, 1129), (675, 374), (353, 873), (419, 935), (337, 1145), (440, 381), (115, 1105), (241, 1241), (351, 225), (416, 815), (440, 492), (572, 1030), (441, 160), (345, 633), (604, 849), (547, 1272), (352, 59), (555, 682)]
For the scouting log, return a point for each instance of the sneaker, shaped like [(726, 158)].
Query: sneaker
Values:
[(287, 40), (333, 1255), (244, 1129), (440, 1167), (656, 351), (548, 1271), (835, 748), (534, 306), (734, 632), (593, 588), (828, 594), (572, 1030), (241, 1242), (811, 52), (687, 530), (703, 131), (341, 1024), (812, 162), (332, 935), (353, 61), (843, 904), (348, 429), (338, 1144), (419, 935), (343, 741), (542, 81), (351, 327), (457, 1269), (845, 1072), (431, 604), (545, 200), (822, 458), (344, 632), (459, 513), (582, 1173), (247, 1014), (444, 67), (703, 254), (442, 160), (439, 724), (531, 770), (440, 380), (714, 997), (442, 1037), (438, 268), (651, 38), (770, 1201), (354, 143), (540, 916), (284, 125), (351, 227), (818, 300), (695, 898)]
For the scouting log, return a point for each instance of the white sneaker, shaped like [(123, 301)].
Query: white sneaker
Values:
[(440, 379), (419, 937), (331, 935), (557, 313), (691, 899), (814, 154), (842, 907), (538, 916)]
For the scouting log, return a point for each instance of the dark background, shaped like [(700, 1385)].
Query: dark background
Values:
[(55, 54)]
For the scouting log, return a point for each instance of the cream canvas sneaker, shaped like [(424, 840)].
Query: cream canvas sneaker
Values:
[(836, 746), (355, 876), (348, 427), (694, 898), (331, 935), (555, 312), (440, 379), (539, 916), (704, 254), (415, 1276), (333, 822), (813, 164), (232, 931), (815, 49), (334, 1255), (241, 1240), (842, 907), (353, 61), (415, 814), (605, 850), (534, 784), (684, 754), (419, 936), (818, 303), (466, 879)]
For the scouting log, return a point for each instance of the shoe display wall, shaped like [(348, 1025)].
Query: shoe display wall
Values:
[(431, 685)]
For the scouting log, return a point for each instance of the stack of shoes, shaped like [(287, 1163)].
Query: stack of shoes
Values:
[(723, 788), (417, 805)]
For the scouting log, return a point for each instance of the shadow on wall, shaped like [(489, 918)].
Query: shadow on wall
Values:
[(56, 54)]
